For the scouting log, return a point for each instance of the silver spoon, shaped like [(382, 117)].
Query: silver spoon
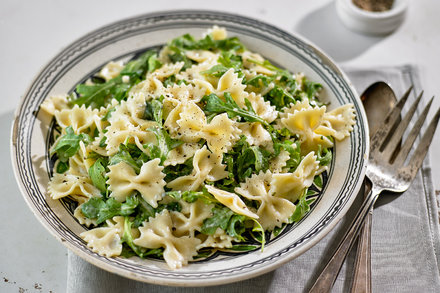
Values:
[(378, 99)]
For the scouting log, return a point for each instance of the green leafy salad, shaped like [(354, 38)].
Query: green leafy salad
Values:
[(199, 149)]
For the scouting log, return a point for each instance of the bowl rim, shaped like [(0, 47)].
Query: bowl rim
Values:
[(325, 58)]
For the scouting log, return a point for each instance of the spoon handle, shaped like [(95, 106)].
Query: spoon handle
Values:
[(362, 270)]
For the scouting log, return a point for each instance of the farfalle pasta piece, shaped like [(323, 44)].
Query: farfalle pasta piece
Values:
[(167, 70), (248, 57), (291, 185), (148, 89), (206, 166), (81, 119), (273, 211), (304, 122), (123, 181), (188, 123), (80, 163), (202, 56), (277, 164), (190, 218), (191, 123), (263, 109), (338, 122), (157, 233), (232, 201), (121, 131), (111, 70), (181, 153), (220, 134), (62, 185), (53, 104), (106, 240), (184, 92), (83, 220), (195, 71), (217, 240), (255, 134), (231, 83), (217, 33), (131, 112)]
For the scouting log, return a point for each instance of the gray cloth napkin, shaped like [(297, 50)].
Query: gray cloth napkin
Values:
[(405, 236)]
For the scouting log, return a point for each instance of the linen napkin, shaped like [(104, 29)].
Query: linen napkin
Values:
[(405, 236)]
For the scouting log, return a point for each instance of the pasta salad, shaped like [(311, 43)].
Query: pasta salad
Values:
[(198, 147)]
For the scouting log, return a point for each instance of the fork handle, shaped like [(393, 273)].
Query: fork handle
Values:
[(324, 282), (362, 268)]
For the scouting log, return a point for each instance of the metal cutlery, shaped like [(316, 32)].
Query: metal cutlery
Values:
[(387, 169)]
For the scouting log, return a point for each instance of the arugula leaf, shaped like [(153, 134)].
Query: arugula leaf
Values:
[(294, 150), (318, 181), (216, 70), (243, 247), (179, 56), (266, 64), (302, 208), (97, 208), (102, 209), (172, 172), (137, 68), (62, 167), (236, 227), (153, 110), (287, 90), (226, 61), (99, 94), (252, 159), (129, 206), (312, 89), (97, 174), (193, 196), (127, 238), (214, 105), (324, 156), (220, 219), (279, 97), (164, 143), (188, 42), (68, 145), (231, 60), (108, 114), (153, 63), (123, 155), (260, 80), (171, 80), (258, 228), (243, 161), (145, 211)]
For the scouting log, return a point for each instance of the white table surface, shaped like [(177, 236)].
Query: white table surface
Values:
[(32, 32)]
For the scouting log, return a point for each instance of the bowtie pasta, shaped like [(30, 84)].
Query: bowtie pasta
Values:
[(197, 148)]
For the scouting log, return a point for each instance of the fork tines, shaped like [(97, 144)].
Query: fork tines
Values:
[(385, 142)]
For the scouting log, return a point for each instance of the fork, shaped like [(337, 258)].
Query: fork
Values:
[(387, 169)]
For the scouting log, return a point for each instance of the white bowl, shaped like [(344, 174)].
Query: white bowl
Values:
[(123, 39), (368, 22)]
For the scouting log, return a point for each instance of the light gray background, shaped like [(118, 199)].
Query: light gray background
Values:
[(32, 32)]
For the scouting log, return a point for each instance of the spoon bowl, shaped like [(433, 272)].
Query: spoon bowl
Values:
[(378, 99)]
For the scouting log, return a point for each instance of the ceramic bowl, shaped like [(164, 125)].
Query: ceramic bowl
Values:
[(123, 39)]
